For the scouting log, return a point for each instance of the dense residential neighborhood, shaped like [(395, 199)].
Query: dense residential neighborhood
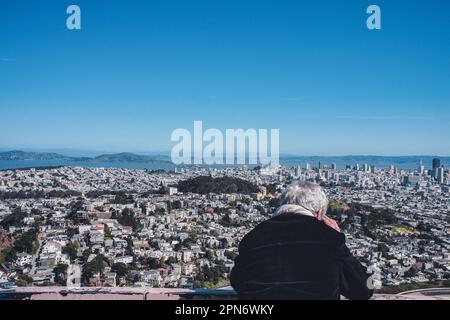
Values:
[(73, 226)]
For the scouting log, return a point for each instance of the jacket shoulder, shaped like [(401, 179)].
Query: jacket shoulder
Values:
[(291, 227)]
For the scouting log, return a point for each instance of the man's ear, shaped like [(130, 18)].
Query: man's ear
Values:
[(319, 215)]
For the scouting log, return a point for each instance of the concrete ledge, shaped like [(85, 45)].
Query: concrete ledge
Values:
[(91, 293)]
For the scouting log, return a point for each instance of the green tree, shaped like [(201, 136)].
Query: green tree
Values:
[(153, 263), (171, 260), (230, 255), (61, 274), (122, 198), (209, 255), (96, 265), (8, 255), (120, 268), (71, 249), (27, 242), (15, 219), (127, 218), (23, 280), (107, 231)]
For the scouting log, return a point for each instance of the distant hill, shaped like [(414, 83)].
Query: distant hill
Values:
[(22, 155), (119, 157), (205, 184), (127, 157)]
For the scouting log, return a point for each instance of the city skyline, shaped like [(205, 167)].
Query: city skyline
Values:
[(312, 69)]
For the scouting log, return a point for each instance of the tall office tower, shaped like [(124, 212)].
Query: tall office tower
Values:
[(440, 175), (357, 167), (297, 171), (436, 163), (308, 166), (333, 166), (372, 169), (405, 180), (391, 168), (421, 168), (434, 170), (366, 167), (320, 165)]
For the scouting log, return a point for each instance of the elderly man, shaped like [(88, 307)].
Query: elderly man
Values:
[(298, 254)]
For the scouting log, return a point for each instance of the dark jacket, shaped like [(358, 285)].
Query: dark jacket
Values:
[(297, 257)]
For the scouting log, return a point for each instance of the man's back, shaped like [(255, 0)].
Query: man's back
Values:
[(297, 257)]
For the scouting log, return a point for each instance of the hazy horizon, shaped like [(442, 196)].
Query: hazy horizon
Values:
[(86, 152)]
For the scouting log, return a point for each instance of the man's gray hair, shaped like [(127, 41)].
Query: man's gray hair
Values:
[(307, 195)]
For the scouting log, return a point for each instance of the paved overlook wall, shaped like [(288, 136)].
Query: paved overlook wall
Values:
[(91, 293)]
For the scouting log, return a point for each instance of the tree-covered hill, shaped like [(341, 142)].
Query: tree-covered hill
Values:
[(205, 184)]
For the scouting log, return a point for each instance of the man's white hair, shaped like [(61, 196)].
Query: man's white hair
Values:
[(307, 195)]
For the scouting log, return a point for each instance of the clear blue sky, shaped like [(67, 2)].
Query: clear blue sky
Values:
[(139, 69)]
